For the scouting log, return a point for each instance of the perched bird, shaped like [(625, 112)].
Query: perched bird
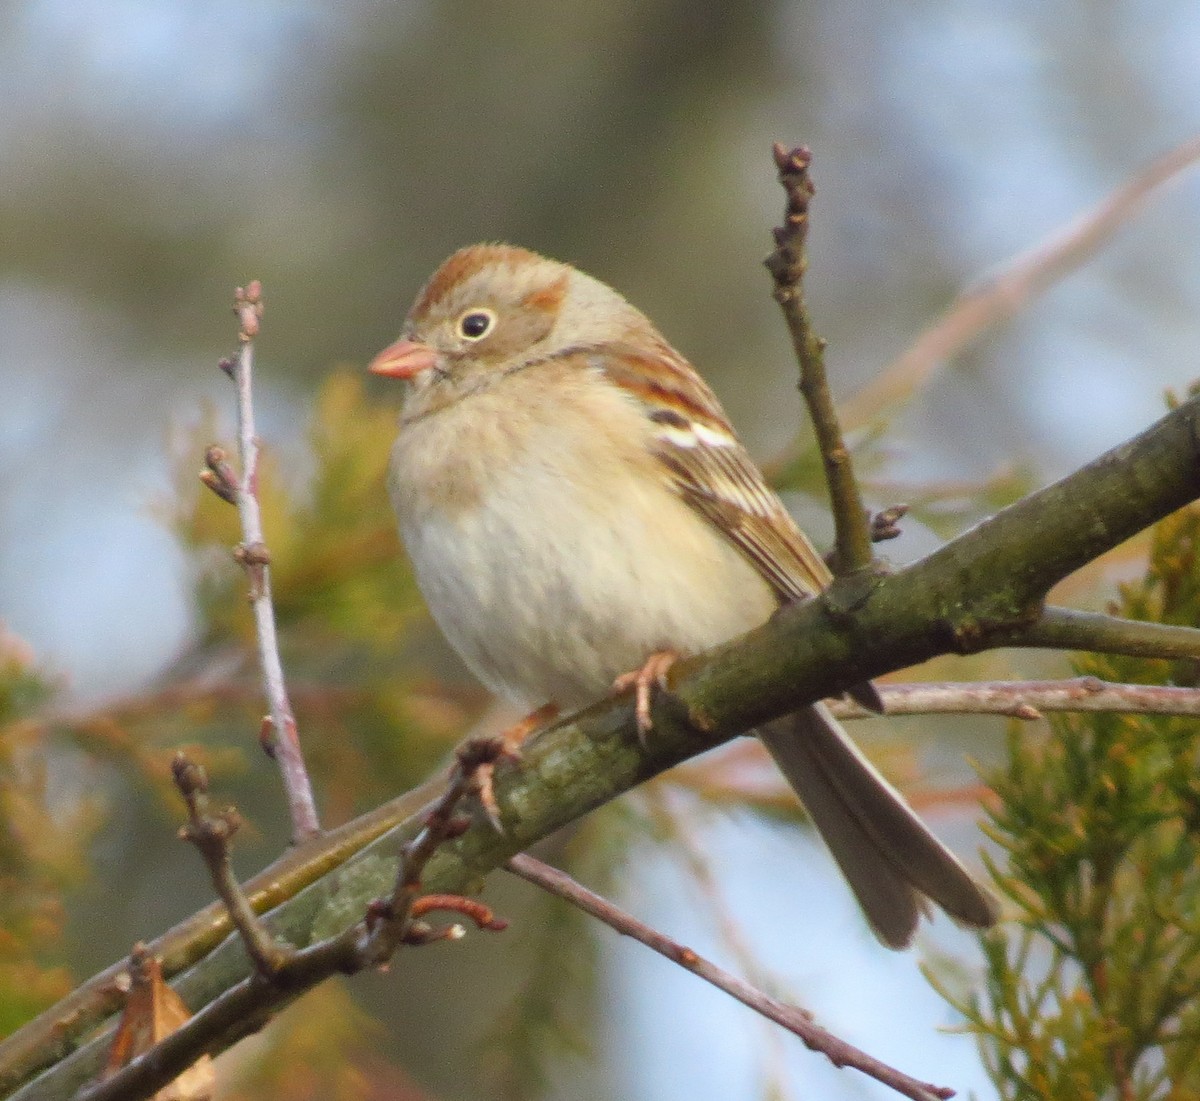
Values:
[(579, 512)]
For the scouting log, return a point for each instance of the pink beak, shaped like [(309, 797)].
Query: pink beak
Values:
[(404, 359)]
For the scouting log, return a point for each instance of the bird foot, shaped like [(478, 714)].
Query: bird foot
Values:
[(652, 674), (511, 739)]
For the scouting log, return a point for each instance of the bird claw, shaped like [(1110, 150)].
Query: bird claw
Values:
[(483, 787), (509, 749), (643, 681)]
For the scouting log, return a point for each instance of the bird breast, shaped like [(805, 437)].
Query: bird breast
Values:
[(565, 558)]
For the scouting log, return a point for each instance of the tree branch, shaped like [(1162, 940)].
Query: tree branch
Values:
[(211, 833), (50, 1036), (56, 1033), (279, 734), (979, 591), (282, 972), (671, 821), (1065, 629), (787, 265), (795, 1020), (1025, 699)]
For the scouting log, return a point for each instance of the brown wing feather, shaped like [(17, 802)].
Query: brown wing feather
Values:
[(718, 479), (724, 485)]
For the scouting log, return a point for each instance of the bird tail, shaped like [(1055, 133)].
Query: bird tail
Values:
[(887, 854)]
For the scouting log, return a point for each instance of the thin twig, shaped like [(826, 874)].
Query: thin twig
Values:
[(669, 821), (211, 833), (252, 553), (1026, 699), (794, 1019), (1007, 291), (391, 922), (787, 265)]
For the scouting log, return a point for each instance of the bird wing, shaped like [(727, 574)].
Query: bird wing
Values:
[(711, 470)]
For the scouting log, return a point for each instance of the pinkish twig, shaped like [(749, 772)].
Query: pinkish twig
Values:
[(283, 742), (791, 1017), (1027, 699)]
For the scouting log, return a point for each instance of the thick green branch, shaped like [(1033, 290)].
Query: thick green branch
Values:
[(978, 591), (982, 590)]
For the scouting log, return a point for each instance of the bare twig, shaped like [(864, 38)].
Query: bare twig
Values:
[(392, 921), (787, 265), (1006, 292), (1026, 699), (1066, 629), (253, 555), (211, 833), (795, 1020), (669, 820)]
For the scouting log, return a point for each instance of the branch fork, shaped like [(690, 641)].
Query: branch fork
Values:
[(394, 921), (282, 971)]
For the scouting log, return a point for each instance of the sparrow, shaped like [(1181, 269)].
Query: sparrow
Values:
[(579, 512)]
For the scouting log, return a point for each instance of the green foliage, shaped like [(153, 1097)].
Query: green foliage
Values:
[(40, 846), (1097, 991)]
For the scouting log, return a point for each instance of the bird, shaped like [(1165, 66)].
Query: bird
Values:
[(579, 512)]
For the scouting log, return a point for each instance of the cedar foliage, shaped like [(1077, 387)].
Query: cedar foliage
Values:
[(1093, 983)]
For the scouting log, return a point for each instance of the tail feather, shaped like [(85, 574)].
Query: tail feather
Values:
[(887, 854)]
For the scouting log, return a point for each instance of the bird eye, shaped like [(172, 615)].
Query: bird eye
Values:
[(476, 324)]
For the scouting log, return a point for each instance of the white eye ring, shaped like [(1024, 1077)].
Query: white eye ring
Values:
[(476, 323)]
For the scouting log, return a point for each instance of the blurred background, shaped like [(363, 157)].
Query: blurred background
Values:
[(154, 155)]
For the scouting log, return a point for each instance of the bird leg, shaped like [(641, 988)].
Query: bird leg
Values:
[(652, 674), (511, 739)]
